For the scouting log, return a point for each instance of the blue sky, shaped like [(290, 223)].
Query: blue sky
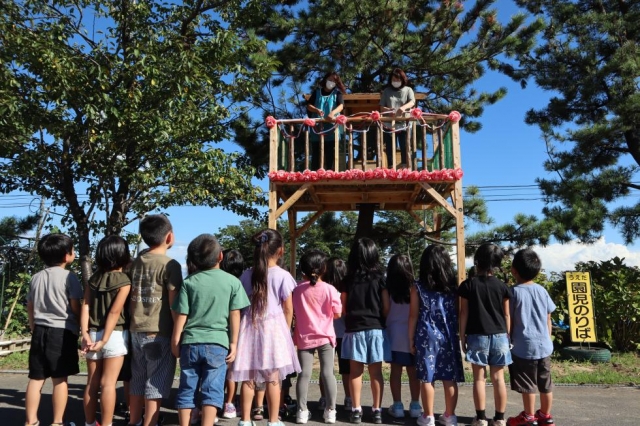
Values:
[(506, 152)]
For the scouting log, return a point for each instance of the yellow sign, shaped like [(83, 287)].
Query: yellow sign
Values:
[(580, 304)]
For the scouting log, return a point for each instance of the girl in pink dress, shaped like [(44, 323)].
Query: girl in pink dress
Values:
[(265, 348)]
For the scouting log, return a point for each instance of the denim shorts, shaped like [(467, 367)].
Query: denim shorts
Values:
[(367, 347), (492, 349), (204, 365), (117, 345)]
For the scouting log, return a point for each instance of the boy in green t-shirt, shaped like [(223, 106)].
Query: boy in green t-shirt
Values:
[(206, 327)]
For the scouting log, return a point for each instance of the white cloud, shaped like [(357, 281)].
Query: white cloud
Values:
[(563, 257)]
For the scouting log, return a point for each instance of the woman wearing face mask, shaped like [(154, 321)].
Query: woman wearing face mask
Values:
[(325, 102), (397, 97)]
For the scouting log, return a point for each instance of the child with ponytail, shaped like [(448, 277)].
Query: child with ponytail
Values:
[(315, 304), (268, 354)]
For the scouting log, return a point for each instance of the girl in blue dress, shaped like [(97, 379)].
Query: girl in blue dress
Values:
[(433, 334)]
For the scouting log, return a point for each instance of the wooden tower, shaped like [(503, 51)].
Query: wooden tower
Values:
[(429, 177)]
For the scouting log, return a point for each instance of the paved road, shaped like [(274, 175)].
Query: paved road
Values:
[(573, 405)]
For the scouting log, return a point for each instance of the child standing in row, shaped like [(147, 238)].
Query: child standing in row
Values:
[(268, 354), (105, 341), (484, 328), (366, 302), (315, 304), (334, 275), (155, 281), (433, 333), (399, 283), (531, 309), (205, 333), (53, 306), (232, 263)]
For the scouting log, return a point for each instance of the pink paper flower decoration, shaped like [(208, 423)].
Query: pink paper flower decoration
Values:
[(457, 174), (341, 120), (270, 122), (309, 122), (416, 113), (375, 115), (455, 116)]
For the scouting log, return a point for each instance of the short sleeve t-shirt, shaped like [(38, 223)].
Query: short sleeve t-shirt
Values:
[(152, 277), (314, 306), (207, 298), (103, 289), (364, 303), (485, 295), (50, 292), (280, 285), (530, 306)]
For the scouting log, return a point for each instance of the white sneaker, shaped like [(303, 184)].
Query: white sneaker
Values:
[(396, 410), (229, 411), (499, 422), (426, 421), (329, 415), (478, 422), (249, 423), (302, 416), (452, 420), (348, 403)]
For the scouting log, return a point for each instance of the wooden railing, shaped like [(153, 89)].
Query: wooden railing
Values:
[(360, 143)]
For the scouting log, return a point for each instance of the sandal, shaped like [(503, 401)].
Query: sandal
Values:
[(257, 413)]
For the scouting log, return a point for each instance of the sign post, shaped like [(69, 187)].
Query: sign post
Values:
[(580, 304)]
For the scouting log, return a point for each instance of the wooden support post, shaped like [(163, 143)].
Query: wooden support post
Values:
[(391, 162), (306, 149), (273, 206), (425, 159), (363, 147), (293, 247), (350, 149), (336, 149), (414, 146), (273, 166), (291, 153), (379, 146), (442, 148), (321, 151), (457, 202)]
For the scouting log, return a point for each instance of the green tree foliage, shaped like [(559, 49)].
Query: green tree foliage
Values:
[(589, 57), (110, 109), (17, 262), (615, 290)]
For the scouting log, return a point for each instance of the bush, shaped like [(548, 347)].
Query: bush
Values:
[(616, 298)]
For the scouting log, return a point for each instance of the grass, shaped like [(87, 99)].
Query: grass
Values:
[(623, 370)]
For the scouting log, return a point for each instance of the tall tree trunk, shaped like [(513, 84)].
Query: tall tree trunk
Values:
[(365, 221)]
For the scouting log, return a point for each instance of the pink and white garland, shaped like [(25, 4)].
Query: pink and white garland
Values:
[(374, 116), (447, 175)]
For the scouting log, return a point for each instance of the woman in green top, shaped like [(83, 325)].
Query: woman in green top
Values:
[(102, 320)]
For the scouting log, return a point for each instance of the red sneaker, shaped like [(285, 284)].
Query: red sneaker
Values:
[(544, 419), (522, 420)]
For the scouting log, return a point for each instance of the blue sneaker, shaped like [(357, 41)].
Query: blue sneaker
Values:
[(397, 410), (415, 409)]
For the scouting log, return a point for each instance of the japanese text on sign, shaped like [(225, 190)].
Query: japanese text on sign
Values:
[(580, 304)]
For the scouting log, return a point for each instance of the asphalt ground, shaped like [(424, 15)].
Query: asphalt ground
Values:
[(573, 405)]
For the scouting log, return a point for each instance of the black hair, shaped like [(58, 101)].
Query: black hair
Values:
[(232, 262), (112, 253), (335, 273), (154, 229), (54, 248), (400, 278), (268, 242), (527, 264), (203, 253), (333, 76), (436, 270), (400, 75), (363, 262), (487, 258), (313, 265)]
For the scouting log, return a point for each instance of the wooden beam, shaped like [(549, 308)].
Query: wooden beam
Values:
[(295, 197), (309, 222), (436, 196), (273, 206), (292, 249), (417, 218), (273, 149)]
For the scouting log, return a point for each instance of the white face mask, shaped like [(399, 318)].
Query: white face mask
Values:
[(396, 84), (330, 85)]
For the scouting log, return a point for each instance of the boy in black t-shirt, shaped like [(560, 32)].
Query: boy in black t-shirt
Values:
[(484, 329)]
